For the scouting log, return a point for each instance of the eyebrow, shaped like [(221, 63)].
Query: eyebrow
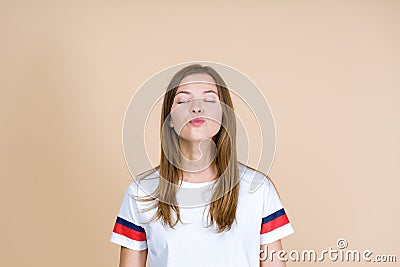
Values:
[(204, 92)]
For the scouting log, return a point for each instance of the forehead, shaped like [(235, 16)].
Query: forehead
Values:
[(198, 80)]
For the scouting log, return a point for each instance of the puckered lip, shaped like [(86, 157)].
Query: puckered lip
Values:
[(197, 120)]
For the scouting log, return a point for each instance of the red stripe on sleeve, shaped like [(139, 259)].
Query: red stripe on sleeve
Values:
[(130, 233), (275, 223)]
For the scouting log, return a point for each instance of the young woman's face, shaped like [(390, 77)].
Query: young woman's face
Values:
[(196, 112)]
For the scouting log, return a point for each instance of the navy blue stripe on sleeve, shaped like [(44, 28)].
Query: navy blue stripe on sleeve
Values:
[(130, 225)]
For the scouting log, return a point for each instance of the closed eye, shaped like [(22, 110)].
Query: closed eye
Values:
[(209, 100)]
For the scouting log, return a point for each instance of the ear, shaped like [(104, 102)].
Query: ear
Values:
[(171, 124)]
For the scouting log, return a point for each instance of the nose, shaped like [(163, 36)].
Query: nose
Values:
[(196, 107)]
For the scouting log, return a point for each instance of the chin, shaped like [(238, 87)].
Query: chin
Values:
[(195, 138)]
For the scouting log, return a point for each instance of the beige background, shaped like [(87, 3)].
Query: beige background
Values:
[(329, 69)]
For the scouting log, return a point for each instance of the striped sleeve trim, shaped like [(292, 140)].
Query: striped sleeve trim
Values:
[(129, 230), (274, 221)]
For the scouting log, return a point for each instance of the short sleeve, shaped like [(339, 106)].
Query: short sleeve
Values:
[(275, 223), (128, 230)]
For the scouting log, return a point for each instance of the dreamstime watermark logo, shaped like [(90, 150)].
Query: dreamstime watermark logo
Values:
[(339, 254)]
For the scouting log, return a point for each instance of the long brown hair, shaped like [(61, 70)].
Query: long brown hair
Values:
[(225, 194)]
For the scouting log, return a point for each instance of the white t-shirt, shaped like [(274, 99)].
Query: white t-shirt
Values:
[(260, 219)]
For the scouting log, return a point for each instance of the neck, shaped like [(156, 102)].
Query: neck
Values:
[(197, 160)]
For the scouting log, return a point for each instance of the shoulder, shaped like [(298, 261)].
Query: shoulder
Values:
[(253, 179), (144, 184)]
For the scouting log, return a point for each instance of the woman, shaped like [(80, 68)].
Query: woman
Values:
[(195, 208)]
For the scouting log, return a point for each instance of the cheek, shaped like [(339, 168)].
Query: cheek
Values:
[(214, 128), (215, 114), (215, 121), (178, 116)]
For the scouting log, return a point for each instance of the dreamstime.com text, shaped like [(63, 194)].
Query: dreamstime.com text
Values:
[(341, 254)]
